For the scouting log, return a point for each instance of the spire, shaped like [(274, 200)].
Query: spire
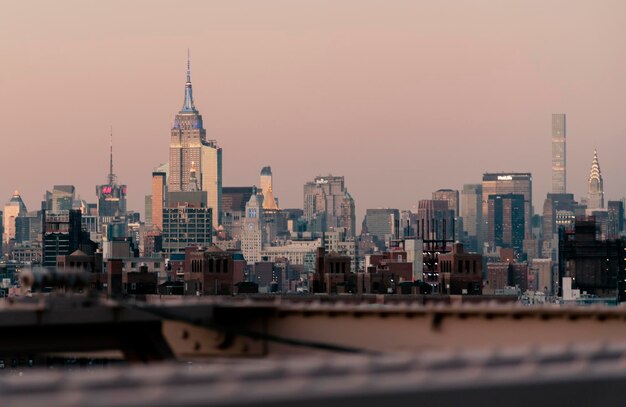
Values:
[(111, 177), (188, 67), (269, 202), (188, 103), (595, 194), (595, 172)]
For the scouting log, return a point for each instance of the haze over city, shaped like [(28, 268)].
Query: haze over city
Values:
[(321, 203), (401, 98)]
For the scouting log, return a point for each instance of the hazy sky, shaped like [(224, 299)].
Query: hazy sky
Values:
[(400, 97)]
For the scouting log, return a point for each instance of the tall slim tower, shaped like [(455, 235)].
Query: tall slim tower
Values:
[(559, 174), (159, 198), (111, 196), (253, 234), (595, 193), (188, 145)]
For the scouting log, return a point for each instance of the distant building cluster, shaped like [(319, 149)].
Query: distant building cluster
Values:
[(198, 237)]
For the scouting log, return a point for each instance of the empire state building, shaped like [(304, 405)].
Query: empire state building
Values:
[(190, 150)]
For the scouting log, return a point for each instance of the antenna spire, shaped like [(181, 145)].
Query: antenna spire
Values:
[(111, 175), (188, 66), (188, 102)]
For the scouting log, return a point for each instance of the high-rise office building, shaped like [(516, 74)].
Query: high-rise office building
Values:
[(190, 147), (472, 214), (327, 205), (12, 210), (61, 198), (382, 223), (559, 173), (159, 198), (186, 222), (616, 219), (449, 195), (234, 199), (508, 183), (253, 234), (435, 221), (267, 188), (347, 217), (595, 191), (505, 218), (61, 231), (28, 227), (111, 196), (556, 209), (147, 205)]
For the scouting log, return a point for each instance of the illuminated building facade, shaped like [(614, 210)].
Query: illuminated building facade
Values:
[(12, 210), (189, 147), (595, 192), (159, 194)]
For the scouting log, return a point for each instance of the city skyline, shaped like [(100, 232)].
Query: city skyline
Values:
[(303, 130)]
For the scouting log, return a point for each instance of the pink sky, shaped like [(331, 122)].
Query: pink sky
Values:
[(400, 97)]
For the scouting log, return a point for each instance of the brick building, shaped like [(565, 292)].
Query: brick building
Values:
[(460, 272), (208, 271)]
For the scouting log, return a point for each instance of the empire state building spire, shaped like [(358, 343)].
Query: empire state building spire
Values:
[(188, 105), (595, 194)]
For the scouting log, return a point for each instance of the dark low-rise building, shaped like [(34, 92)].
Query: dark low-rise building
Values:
[(460, 272), (208, 271), (595, 265)]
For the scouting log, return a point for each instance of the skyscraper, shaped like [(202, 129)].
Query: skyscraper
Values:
[(559, 174), (508, 183), (327, 205), (472, 214), (382, 223), (253, 233), (186, 221), (234, 199), (505, 216), (111, 196), (595, 192), (12, 210), (188, 147), (61, 232), (450, 195), (61, 198), (435, 220), (267, 188), (616, 219), (267, 185), (159, 198), (555, 208)]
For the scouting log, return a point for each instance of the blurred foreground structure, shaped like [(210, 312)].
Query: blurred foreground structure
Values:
[(370, 350)]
